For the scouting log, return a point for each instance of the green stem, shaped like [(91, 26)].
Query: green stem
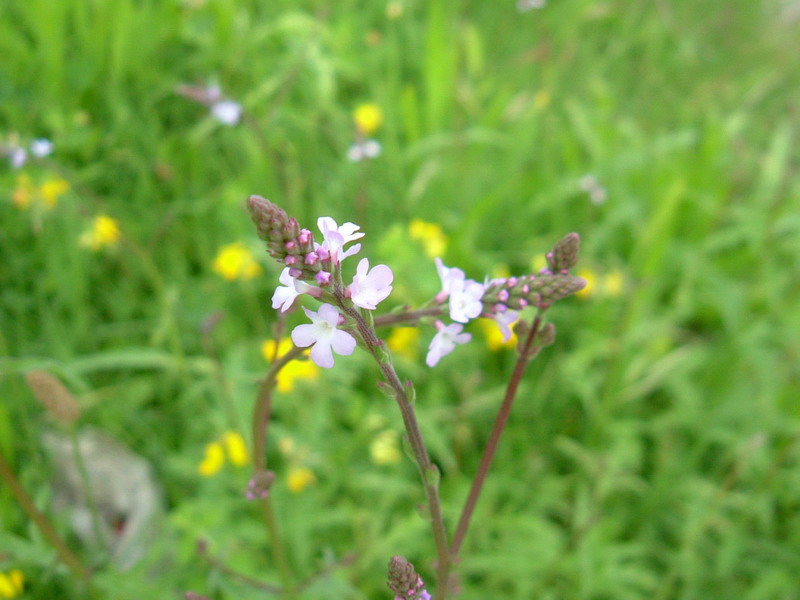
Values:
[(427, 470), (48, 531)]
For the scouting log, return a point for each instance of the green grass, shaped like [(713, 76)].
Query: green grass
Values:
[(654, 449)]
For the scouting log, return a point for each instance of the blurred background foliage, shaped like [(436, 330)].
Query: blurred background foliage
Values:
[(653, 452)]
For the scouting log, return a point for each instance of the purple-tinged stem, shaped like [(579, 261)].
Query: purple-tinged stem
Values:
[(411, 316), (525, 357), (48, 531)]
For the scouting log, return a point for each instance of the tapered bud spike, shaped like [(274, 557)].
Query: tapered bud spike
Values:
[(565, 253)]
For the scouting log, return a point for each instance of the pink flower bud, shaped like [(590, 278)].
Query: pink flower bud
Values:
[(304, 237), (323, 278), (289, 245), (290, 260), (295, 272), (311, 258)]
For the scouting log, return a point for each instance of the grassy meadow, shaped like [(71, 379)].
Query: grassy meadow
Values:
[(654, 449)]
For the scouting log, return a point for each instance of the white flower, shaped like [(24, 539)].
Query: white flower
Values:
[(451, 277), (17, 157), (465, 300), (324, 336), (526, 5), (42, 147), (445, 341), (368, 289), (504, 321), (363, 150), (285, 296), (227, 112), (336, 237)]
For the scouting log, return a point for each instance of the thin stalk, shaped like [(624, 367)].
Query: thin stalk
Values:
[(26, 502), (525, 357), (261, 414), (426, 468), (411, 316)]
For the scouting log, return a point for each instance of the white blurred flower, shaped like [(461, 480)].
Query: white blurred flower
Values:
[(17, 157), (363, 150), (526, 5), (592, 186), (42, 147), (227, 112)]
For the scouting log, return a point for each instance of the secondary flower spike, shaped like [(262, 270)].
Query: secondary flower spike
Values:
[(369, 289), (324, 337)]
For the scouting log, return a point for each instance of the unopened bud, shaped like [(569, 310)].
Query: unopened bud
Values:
[(57, 400), (565, 253)]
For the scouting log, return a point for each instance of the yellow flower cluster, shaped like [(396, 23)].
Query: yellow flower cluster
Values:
[(608, 285), (296, 370), (104, 231), (404, 341), (232, 443), (385, 448), (11, 584), (27, 194), (235, 261), (368, 118), (430, 235), (299, 476)]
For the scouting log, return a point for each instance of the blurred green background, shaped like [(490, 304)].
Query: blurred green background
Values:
[(654, 451)]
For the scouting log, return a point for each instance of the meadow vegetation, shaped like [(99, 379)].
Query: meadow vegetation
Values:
[(654, 449)]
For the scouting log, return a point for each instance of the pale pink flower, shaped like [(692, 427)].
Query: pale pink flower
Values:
[(336, 237), (445, 341), (368, 289), (465, 300), (324, 336), (286, 294), (450, 276), (504, 321)]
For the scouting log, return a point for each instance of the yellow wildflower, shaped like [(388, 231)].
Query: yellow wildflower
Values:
[(295, 370), (23, 194), (103, 232), (591, 283), (213, 460), (394, 10), (405, 341), (235, 261), (237, 449), (541, 99), (368, 118), (385, 448), (430, 235), (11, 584), (51, 190), (286, 446), (300, 478), (494, 338), (613, 283)]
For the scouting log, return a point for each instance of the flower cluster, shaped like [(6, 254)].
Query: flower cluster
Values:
[(222, 109), (367, 119), (230, 443), (307, 261), (17, 153), (44, 196), (404, 581)]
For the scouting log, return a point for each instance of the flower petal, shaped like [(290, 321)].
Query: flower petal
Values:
[(304, 335), (343, 343), (321, 355)]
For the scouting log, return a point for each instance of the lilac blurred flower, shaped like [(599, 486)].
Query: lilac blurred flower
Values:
[(363, 150), (444, 342)]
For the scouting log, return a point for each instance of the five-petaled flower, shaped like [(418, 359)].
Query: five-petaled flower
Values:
[(445, 341), (324, 336), (368, 289), (286, 294), (335, 237)]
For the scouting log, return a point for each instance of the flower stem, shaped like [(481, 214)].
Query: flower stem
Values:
[(261, 414), (411, 316), (427, 470), (67, 556), (525, 357)]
